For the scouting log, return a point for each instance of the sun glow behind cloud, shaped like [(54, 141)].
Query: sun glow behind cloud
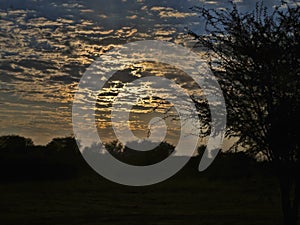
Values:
[(144, 108), (43, 57)]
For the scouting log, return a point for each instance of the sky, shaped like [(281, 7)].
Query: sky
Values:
[(46, 46)]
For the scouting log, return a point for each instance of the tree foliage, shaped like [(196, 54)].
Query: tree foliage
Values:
[(256, 57), (15, 143), (128, 155)]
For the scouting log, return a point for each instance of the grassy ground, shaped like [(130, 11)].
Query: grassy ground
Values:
[(187, 198)]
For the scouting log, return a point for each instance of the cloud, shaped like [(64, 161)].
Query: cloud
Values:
[(167, 12), (46, 47)]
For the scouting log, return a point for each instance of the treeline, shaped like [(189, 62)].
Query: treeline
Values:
[(139, 158), (20, 159)]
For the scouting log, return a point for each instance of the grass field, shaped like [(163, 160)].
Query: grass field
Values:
[(187, 198)]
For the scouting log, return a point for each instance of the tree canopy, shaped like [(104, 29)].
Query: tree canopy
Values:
[(256, 57), (15, 143)]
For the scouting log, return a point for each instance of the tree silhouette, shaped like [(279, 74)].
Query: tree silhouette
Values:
[(15, 143), (134, 157), (256, 57), (65, 145)]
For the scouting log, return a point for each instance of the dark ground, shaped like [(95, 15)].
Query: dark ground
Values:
[(227, 193)]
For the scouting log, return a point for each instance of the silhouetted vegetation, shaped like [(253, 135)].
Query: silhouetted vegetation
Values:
[(52, 184), (61, 159), (15, 144), (256, 57), (21, 160), (138, 158)]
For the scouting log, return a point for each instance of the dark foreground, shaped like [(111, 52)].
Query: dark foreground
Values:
[(224, 194)]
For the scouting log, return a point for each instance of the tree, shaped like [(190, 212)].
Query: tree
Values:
[(15, 143), (138, 158), (256, 57), (64, 150), (67, 144)]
